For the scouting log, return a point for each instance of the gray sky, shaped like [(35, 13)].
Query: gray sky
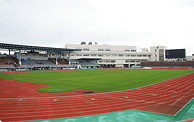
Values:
[(141, 23)]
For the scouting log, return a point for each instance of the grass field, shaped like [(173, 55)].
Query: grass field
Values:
[(106, 80)]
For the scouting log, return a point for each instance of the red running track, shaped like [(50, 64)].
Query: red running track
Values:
[(167, 97)]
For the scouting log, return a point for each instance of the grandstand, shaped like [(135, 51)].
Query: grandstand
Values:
[(168, 64), (88, 63), (27, 57), (8, 61), (60, 61)]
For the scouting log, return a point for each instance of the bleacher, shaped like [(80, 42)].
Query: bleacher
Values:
[(36, 62), (6, 66), (89, 64), (170, 64), (63, 61), (33, 57), (60, 61), (9, 61)]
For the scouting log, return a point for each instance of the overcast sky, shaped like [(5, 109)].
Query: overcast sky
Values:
[(141, 23)]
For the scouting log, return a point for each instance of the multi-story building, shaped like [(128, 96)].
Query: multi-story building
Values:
[(108, 55), (157, 53), (190, 58)]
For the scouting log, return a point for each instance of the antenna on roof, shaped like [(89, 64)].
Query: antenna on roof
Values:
[(83, 43)]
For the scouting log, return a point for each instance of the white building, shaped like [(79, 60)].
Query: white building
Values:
[(157, 53), (95, 55), (190, 58), (113, 55)]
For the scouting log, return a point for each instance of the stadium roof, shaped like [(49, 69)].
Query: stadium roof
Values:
[(28, 47)]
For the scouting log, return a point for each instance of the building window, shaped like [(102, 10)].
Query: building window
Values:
[(133, 50), (128, 55), (100, 49), (93, 55), (144, 55), (113, 61), (78, 55), (139, 55), (107, 49), (100, 55), (114, 55), (120, 55), (133, 55), (100, 61), (86, 49), (86, 55), (127, 50), (126, 61)]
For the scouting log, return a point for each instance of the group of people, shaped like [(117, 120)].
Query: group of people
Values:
[(10, 63), (39, 62)]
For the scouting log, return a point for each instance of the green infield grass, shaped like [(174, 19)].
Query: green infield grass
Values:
[(106, 80)]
